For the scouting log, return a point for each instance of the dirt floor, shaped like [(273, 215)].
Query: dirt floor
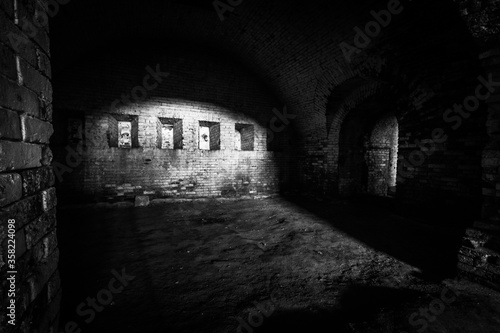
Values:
[(271, 265)]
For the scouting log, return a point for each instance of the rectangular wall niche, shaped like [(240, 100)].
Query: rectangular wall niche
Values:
[(209, 135), (75, 130), (169, 133), (244, 137), (123, 131)]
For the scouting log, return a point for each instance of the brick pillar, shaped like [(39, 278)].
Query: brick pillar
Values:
[(479, 257), (27, 193), (491, 154)]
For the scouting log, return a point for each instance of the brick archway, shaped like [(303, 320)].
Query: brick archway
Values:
[(367, 150), (357, 93), (382, 156)]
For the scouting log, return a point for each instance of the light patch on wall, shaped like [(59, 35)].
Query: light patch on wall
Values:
[(209, 135), (175, 111), (124, 134), (16, 12), (393, 167), (237, 139), (204, 138), (382, 154), (167, 136), (20, 78)]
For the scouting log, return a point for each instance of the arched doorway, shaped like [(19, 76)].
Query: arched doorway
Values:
[(382, 157), (368, 152)]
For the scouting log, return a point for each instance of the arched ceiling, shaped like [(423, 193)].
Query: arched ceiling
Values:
[(293, 46)]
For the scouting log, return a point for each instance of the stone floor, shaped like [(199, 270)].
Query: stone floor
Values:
[(309, 266)]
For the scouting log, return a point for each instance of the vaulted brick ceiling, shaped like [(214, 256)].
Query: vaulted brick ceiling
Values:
[(292, 46)]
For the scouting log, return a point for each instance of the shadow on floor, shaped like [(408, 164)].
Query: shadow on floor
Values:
[(360, 309), (179, 288), (426, 238), (300, 321)]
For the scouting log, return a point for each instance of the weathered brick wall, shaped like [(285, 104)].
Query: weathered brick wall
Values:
[(440, 160), (382, 157), (378, 170), (368, 154), (425, 59), (27, 193), (423, 76), (416, 70), (479, 256), (200, 90)]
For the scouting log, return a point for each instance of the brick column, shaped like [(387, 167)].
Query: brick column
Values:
[(479, 257), (27, 193), (491, 154)]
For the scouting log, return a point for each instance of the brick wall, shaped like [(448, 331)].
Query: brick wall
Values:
[(439, 162), (368, 154), (416, 70), (479, 255), (200, 90), (382, 159), (431, 72), (418, 67), (27, 193)]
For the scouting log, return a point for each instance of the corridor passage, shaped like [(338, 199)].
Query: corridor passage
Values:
[(308, 266)]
